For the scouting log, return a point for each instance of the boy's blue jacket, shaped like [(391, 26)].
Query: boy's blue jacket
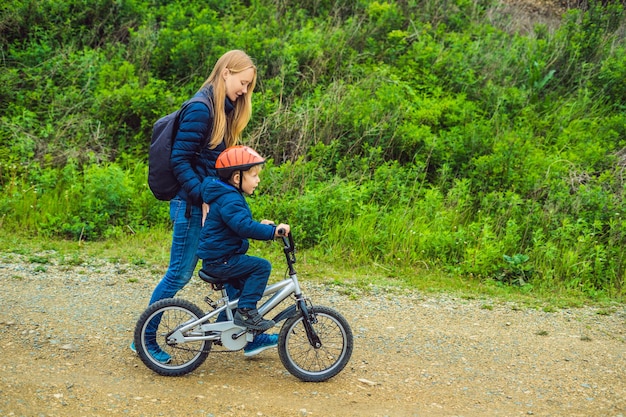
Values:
[(196, 123), (229, 223)]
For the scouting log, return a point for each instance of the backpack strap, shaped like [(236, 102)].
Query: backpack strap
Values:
[(209, 103)]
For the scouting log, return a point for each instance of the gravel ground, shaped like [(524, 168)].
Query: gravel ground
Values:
[(66, 329)]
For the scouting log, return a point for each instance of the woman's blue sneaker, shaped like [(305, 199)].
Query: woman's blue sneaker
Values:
[(260, 343), (159, 354), (155, 352)]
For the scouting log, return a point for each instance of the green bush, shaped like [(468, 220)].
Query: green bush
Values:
[(417, 134)]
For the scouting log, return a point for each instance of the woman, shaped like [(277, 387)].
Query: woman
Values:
[(229, 88)]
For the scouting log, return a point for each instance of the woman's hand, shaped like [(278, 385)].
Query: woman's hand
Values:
[(205, 211)]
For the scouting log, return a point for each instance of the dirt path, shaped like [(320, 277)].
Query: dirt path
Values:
[(65, 334)]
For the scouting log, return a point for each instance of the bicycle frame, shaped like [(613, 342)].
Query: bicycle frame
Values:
[(199, 329)]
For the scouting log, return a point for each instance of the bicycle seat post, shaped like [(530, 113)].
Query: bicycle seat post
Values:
[(225, 299), (218, 284)]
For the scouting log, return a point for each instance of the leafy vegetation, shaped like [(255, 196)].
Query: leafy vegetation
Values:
[(414, 135)]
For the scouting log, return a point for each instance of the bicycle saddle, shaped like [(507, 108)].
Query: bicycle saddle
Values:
[(211, 279)]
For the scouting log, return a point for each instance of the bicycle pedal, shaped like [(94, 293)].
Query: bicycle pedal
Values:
[(214, 304)]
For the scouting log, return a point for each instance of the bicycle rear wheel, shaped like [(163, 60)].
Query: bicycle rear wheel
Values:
[(154, 326), (312, 364)]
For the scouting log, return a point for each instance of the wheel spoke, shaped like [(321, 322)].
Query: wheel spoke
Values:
[(311, 364), (153, 328)]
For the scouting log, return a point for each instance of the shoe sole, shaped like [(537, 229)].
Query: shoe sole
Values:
[(257, 328), (256, 351)]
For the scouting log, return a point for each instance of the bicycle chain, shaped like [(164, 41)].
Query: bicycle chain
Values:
[(205, 351)]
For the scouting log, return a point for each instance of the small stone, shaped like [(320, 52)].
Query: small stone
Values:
[(368, 382)]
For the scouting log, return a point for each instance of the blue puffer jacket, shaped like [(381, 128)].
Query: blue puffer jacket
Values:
[(229, 223), (196, 124)]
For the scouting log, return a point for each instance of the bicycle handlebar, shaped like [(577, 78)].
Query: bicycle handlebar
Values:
[(288, 246)]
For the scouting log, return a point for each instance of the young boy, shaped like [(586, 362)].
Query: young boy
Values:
[(228, 225)]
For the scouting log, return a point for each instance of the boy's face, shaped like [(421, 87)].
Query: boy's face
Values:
[(250, 181)]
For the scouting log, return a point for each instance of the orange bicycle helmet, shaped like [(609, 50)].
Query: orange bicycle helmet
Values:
[(236, 158)]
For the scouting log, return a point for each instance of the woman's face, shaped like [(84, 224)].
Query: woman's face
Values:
[(237, 83)]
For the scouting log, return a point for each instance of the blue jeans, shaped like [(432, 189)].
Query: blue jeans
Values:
[(248, 276), (183, 259)]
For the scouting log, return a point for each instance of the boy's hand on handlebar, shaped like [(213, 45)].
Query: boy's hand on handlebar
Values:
[(282, 230)]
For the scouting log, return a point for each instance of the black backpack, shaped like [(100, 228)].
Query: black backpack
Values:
[(161, 178)]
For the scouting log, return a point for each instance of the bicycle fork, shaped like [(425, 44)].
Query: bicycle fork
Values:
[(308, 319)]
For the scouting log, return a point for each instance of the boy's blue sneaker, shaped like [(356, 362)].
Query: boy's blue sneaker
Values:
[(132, 347), (260, 343)]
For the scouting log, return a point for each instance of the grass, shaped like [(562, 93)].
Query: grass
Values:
[(137, 249), (150, 250)]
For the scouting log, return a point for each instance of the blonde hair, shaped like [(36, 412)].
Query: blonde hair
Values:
[(229, 127), (255, 169)]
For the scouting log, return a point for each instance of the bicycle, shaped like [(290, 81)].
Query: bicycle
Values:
[(315, 343)]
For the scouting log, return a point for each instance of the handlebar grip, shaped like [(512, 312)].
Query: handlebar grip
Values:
[(281, 232)]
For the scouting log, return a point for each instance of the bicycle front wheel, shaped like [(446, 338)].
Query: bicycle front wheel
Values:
[(154, 326), (312, 364)]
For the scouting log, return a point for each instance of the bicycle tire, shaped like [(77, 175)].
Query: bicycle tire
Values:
[(305, 361), (167, 315)]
